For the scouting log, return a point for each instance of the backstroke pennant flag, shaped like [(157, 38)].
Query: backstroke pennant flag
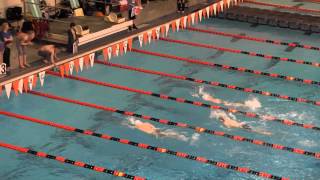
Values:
[(140, 37), (178, 24), (215, 9), (43, 74), (125, 46), (8, 89), (185, 20), (221, 5), (158, 32), (200, 15), (167, 28), (71, 67), (192, 18), (208, 11), (30, 81), (20, 86), (109, 52), (15, 85), (81, 63), (149, 33), (91, 56)]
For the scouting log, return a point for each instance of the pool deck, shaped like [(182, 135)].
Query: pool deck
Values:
[(154, 13)]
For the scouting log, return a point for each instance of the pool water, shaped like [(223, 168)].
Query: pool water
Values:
[(159, 166)]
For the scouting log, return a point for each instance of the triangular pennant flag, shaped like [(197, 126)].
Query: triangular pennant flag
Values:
[(154, 34), (130, 44), (0, 91), (208, 11), (167, 28), (185, 19), (76, 64), (15, 85), (149, 33), (145, 38), (30, 81), (25, 84), (91, 58), (200, 14), (221, 6), (196, 18), (34, 81), (66, 68), (189, 20), (86, 59), (193, 16), (114, 50), (211, 10), (81, 63), (228, 2), (163, 30), (105, 54), (215, 9), (140, 37), (177, 24), (8, 89), (61, 73), (173, 26), (125, 46), (109, 53), (204, 13), (20, 86), (158, 32), (71, 66), (121, 48), (182, 23), (235, 2), (43, 74)]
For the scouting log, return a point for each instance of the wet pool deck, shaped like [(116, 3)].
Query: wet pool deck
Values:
[(154, 13)]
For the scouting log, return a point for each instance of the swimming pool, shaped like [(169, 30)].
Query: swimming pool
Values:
[(155, 165)]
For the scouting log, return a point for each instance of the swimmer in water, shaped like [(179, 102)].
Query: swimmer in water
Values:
[(151, 129), (231, 123)]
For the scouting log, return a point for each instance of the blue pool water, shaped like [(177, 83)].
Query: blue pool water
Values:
[(161, 166)]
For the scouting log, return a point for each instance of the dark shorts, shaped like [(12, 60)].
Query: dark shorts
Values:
[(130, 14), (246, 126), (45, 54)]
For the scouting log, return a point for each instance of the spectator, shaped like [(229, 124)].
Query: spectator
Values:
[(132, 5), (6, 37), (72, 37), (23, 40), (49, 53), (181, 4)]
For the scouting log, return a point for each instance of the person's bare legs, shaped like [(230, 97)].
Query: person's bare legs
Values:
[(20, 59), (25, 60)]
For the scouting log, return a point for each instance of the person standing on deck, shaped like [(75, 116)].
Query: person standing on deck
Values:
[(7, 38), (72, 37), (22, 41), (132, 5)]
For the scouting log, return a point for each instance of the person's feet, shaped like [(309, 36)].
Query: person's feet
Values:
[(27, 65), (22, 67), (45, 61)]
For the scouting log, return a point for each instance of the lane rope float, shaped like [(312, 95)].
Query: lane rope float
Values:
[(223, 66), (158, 149), (212, 83), (180, 124), (186, 101), (69, 161), (237, 51), (256, 39), (283, 6)]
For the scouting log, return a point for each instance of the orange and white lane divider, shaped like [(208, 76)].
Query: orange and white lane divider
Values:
[(238, 51), (214, 83), (131, 143), (223, 66), (63, 159), (186, 101), (256, 39), (281, 6)]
